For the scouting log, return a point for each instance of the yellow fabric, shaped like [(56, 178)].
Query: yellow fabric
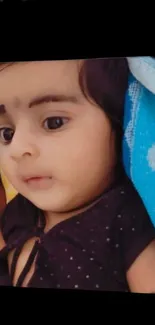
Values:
[(10, 192)]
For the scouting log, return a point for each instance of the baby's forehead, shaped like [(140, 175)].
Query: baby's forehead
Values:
[(22, 80)]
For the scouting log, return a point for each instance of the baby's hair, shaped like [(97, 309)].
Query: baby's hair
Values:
[(106, 81)]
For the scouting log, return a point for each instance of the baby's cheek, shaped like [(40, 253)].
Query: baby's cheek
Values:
[(78, 165)]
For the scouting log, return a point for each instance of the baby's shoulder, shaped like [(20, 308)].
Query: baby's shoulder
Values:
[(126, 209), (128, 199), (131, 203)]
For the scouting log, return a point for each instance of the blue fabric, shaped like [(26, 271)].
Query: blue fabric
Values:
[(139, 131)]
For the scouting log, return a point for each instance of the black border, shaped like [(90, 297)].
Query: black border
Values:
[(49, 305), (88, 297), (37, 31)]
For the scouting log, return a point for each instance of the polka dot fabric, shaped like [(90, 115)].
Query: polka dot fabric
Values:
[(91, 251)]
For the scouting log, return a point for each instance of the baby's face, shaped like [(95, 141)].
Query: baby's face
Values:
[(56, 148)]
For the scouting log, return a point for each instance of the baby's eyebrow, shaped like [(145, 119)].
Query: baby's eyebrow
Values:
[(53, 98)]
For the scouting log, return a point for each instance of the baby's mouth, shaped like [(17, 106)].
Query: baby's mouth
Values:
[(36, 178), (38, 182)]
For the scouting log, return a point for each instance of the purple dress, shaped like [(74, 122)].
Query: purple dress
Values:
[(90, 251)]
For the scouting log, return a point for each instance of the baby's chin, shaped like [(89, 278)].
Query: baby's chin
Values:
[(58, 199), (50, 203)]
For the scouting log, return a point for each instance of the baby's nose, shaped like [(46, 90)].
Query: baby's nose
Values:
[(23, 146)]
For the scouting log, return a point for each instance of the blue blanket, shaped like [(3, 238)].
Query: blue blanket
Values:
[(139, 130)]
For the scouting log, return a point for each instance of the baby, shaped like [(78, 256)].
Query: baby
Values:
[(77, 222)]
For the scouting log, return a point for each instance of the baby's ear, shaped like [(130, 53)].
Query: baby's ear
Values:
[(10, 192)]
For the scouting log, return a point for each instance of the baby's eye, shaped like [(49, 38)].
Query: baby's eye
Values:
[(55, 122), (6, 135)]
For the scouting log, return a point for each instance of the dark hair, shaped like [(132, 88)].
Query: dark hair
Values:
[(106, 81)]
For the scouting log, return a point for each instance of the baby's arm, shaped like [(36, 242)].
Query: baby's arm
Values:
[(141, 274)]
